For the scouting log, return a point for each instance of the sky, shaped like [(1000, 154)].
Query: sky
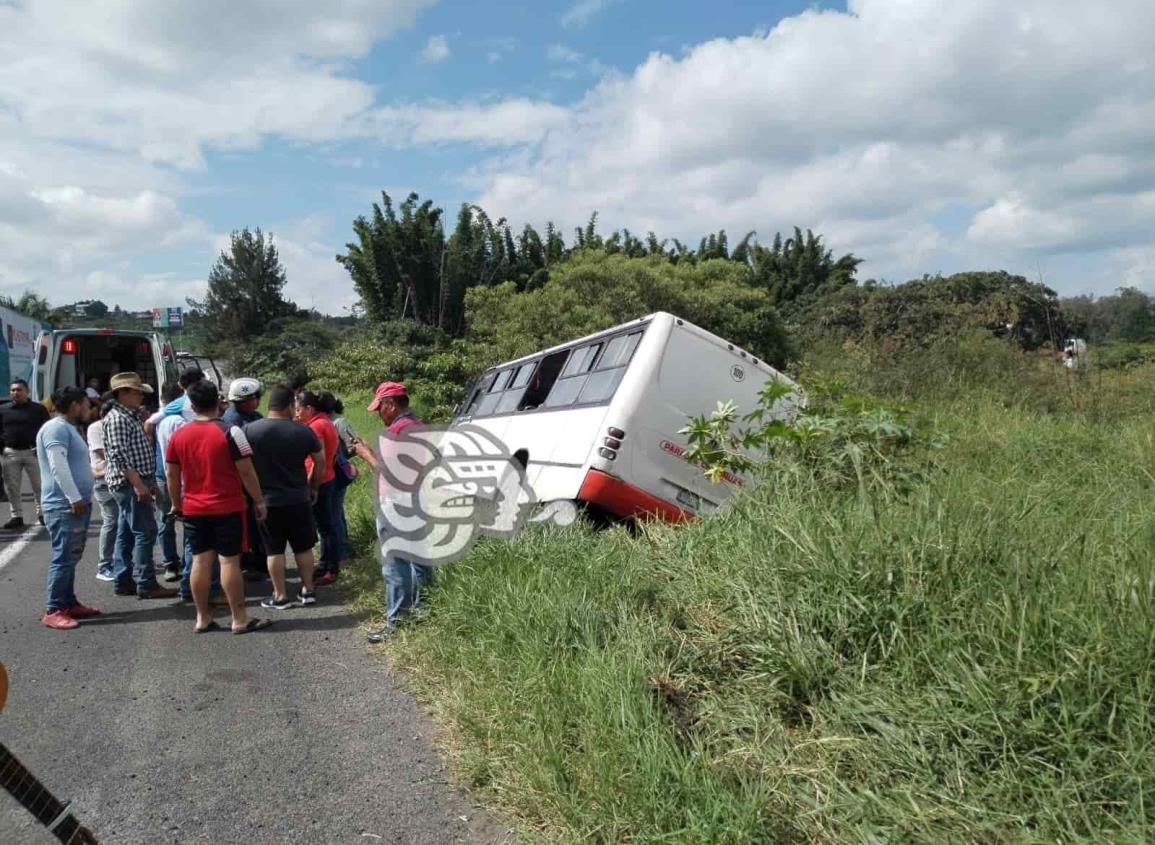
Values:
[(924, 136)]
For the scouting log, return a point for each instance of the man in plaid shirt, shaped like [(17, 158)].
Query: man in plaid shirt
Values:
[(131, 478)]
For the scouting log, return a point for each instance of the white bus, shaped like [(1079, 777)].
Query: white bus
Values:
[(596, 420), (70, 357)]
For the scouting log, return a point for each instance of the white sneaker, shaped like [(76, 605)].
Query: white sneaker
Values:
[(305, 598)]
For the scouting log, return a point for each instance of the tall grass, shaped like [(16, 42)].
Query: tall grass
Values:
[(967, 659)]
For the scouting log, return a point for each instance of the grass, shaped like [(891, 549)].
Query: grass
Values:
[(968, 659)]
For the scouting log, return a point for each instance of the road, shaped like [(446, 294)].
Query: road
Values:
[(293, 734)]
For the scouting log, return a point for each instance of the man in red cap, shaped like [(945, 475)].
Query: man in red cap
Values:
[(402, 577)]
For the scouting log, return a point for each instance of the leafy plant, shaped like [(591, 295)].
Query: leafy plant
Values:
[(847, 442)]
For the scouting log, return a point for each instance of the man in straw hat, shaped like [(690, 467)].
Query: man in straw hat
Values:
[(131, 478)]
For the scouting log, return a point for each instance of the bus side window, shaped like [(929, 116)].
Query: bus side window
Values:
[(543, 380), (516, 390), (573, 377), (604, 381), (493, 394)]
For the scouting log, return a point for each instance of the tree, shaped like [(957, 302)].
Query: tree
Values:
[(30, 305), (796, 269), (594, 291), (396, 263), (97, 309), (246, 292)]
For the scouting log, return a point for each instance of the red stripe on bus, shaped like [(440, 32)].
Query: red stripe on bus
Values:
[(626, 500)]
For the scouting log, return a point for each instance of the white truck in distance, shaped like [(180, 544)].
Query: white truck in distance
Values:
[(596, 420)]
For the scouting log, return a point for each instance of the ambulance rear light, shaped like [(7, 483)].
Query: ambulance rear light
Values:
[(615, 433), (143, 348), (611, 443), (68, 347), (608, 454)]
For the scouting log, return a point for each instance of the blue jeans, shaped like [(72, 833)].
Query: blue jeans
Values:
[(68, 533), (167, 526), (109, 520), (403, 580), (186, 572), (330, 558), (135, 537), (344, 550)]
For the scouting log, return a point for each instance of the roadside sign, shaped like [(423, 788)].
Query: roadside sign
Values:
[(167, 318)]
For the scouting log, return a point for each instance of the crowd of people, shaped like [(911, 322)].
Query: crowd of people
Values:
[(242, 487)]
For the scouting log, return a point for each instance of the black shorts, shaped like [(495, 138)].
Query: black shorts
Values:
[(224, 535), (291, 525)]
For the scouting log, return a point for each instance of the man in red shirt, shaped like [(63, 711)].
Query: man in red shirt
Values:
[(209, 470), (311, 413)]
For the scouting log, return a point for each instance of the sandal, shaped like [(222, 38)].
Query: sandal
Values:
[(253, 625), (212, 626)]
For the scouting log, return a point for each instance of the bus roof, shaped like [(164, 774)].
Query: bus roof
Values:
[(643, 321)]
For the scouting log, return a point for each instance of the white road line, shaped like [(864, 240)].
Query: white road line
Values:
[(9, 554)]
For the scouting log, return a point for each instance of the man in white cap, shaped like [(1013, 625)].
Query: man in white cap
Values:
[(131, 478)]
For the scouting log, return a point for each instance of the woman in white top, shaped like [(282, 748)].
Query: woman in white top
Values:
[(109, 511)]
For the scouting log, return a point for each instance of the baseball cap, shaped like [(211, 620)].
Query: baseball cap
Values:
[(385, 390)]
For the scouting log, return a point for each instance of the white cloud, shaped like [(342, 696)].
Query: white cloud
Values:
[(315, 279), (562, 53), (436, 49), (582, 12), (104, 104), (504, 123), (922, 135)]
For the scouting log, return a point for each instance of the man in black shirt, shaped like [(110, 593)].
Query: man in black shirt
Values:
[(280, 447), (20, 422)]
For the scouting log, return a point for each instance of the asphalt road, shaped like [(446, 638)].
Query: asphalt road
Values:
[(293, 734)]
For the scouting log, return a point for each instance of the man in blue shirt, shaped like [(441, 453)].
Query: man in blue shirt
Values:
[(65, 501)]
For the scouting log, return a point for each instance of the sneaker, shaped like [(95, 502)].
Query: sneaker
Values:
[(379, 635), (60, 620), (105, 574), (157, 593), (12, 524), (274, 603), (82, 611), (172, 572), (306, 598), (324, 580)]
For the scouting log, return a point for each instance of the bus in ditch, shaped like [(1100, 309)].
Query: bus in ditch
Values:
[(596, 420)]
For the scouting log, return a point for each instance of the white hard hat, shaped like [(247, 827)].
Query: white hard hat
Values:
[(245, 388)]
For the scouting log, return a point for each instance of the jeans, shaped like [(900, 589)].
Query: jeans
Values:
[(330, 558), (186, 572), (403, 580), (109, 518), (16, 463), (68, 533), (135, 537), (344, 550), (167, 526)]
